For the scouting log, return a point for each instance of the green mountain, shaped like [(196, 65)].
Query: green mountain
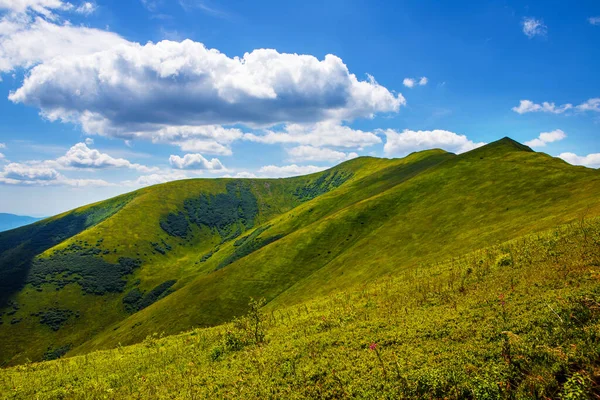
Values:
[(191, 253), (519, 320), (12, 221)]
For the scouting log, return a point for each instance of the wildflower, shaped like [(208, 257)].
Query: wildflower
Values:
[(373, 346)]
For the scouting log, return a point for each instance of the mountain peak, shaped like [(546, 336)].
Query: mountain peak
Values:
[(500, 147), (507, 142)]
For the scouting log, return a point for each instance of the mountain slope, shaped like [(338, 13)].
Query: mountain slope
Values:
[(12, 221), (191, 253), (519, 320)]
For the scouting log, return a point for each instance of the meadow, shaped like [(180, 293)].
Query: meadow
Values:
[(518, 320)]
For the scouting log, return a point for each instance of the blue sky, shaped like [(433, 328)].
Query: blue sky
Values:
[(100, 98)]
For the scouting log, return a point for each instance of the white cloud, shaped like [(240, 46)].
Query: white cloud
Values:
[(547, 137), (412, 82), (43, 7), (158, 178), (26, 41), (82, 157), (527, 106), (44, 173), (594, 20), (2, 146), (24, 172), (41, 175), (590, 105), (310, 153), (209, 139), (205, 146), (321, 134), (195, 161), (1, 156), (409, 82), (130, 88), (534, 27), (591, 160), (401, 144), (272, 171), (89, 141), (243, 175), (86, 8)]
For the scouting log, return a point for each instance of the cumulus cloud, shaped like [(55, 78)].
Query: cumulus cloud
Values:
[(527, 106), (44, 7), (547, 137), (24, 172), (594, 20), (195, 161), (41, 175), (133, 87), (590, 105), (157, 178), (412, 82), (409, 82), (86, 8), (243, 175), (591, 160), (209, 139), (79, 156), (534, 27), (321, 134), (2, 146), (400, 144), (89, 141), (272, 171), (29, 40), (82, 157), (310, 153)]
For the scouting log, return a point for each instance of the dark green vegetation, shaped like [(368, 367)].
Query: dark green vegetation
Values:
[(247, 245), (19, 247), (519, 320), (135, 300), (92, 273), (288, 241), (11, 221), (55, 318)]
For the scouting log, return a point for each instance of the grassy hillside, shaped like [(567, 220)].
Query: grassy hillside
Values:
[(518, 320), (190, 253), (66, 278)]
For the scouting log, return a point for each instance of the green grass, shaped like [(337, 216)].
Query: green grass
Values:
[(518, 320), (337, 229)]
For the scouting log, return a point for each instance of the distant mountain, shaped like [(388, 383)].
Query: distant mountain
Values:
[(12, 221)]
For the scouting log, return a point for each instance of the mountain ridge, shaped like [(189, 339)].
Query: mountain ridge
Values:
[(175, 249)]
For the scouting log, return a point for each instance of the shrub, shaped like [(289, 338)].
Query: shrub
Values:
[(55, 353), (135, 300), (249, 245), (55, 318), (223, 211), (504, 260), (175, 224), (93, 274), (323, 184)]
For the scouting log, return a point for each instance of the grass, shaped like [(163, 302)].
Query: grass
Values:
[(295, 239), (517, 320)]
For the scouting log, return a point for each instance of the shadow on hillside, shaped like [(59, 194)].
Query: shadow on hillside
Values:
[(19, 247)]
